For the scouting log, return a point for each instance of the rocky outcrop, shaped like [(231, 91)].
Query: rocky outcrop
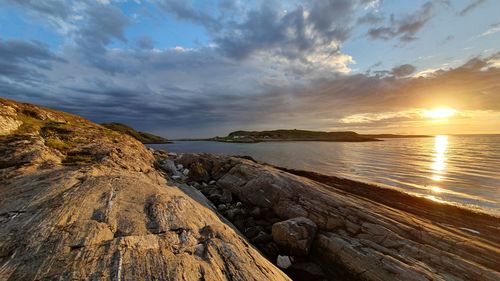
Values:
[(81, 202), (357, 238)]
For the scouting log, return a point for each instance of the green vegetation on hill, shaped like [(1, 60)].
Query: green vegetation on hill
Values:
[(140, 136), (293, 135)]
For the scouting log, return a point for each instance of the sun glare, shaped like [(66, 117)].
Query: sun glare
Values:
[(440, 113)]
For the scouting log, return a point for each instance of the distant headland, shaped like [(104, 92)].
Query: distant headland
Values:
[(301, 135)]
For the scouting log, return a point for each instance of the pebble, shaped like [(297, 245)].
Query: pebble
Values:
[(185, 172)]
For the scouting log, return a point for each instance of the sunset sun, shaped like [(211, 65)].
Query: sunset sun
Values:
[(440, 113)]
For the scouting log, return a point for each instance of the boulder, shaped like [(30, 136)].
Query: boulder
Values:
[(295, 235)]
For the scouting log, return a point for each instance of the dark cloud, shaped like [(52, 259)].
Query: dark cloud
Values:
[(405, 27), (305, 32), (403, 70), (22, 61), (474, 4), (145, 43), (103, 24), (298, 34), (200, 93), (17, 50), (184, 10)]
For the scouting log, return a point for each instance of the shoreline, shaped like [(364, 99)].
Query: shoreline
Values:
[(393, 227), (444, 212)]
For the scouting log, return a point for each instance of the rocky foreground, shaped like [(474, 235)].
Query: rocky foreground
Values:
[(81, 202)]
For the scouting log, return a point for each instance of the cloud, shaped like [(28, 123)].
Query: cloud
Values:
[(145, 43), (55, 8), (184, 10), (272, 65), (308, 33), (103, 24), (474, 4), (494, 28), (403, 70), (404, 28), (199, 92), (371, 18), (23, 62)]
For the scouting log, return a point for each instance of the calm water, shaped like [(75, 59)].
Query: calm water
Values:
[(462, 170)]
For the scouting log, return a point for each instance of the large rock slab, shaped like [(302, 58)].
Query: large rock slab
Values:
[(359, 238), (81, 202)]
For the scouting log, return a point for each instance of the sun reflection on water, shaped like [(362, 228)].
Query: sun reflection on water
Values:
[(440, 146), (438, 165)]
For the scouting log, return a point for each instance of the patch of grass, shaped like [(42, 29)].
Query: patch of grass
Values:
[(58, 144), (140, 136), (81, 157), (55, 129), (78, 159)]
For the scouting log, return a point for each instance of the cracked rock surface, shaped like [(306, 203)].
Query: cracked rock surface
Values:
[(81, 202)]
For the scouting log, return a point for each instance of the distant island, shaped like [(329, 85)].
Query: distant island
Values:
[(303, 135), (143, 137)]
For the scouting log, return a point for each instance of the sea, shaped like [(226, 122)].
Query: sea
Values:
[(455, 169)]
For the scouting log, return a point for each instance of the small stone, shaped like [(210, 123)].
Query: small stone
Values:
[(176, 177), (239, 204), (185, 172), (204, 184), (221, 207), (172, 154), (283, 262), (179, 167), (212, 182)]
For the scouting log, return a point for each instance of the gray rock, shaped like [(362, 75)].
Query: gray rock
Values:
[(295, 235), (283, 262), (185, 172), (179, 167)]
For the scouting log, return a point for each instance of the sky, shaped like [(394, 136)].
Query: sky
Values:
[(181, 68)]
